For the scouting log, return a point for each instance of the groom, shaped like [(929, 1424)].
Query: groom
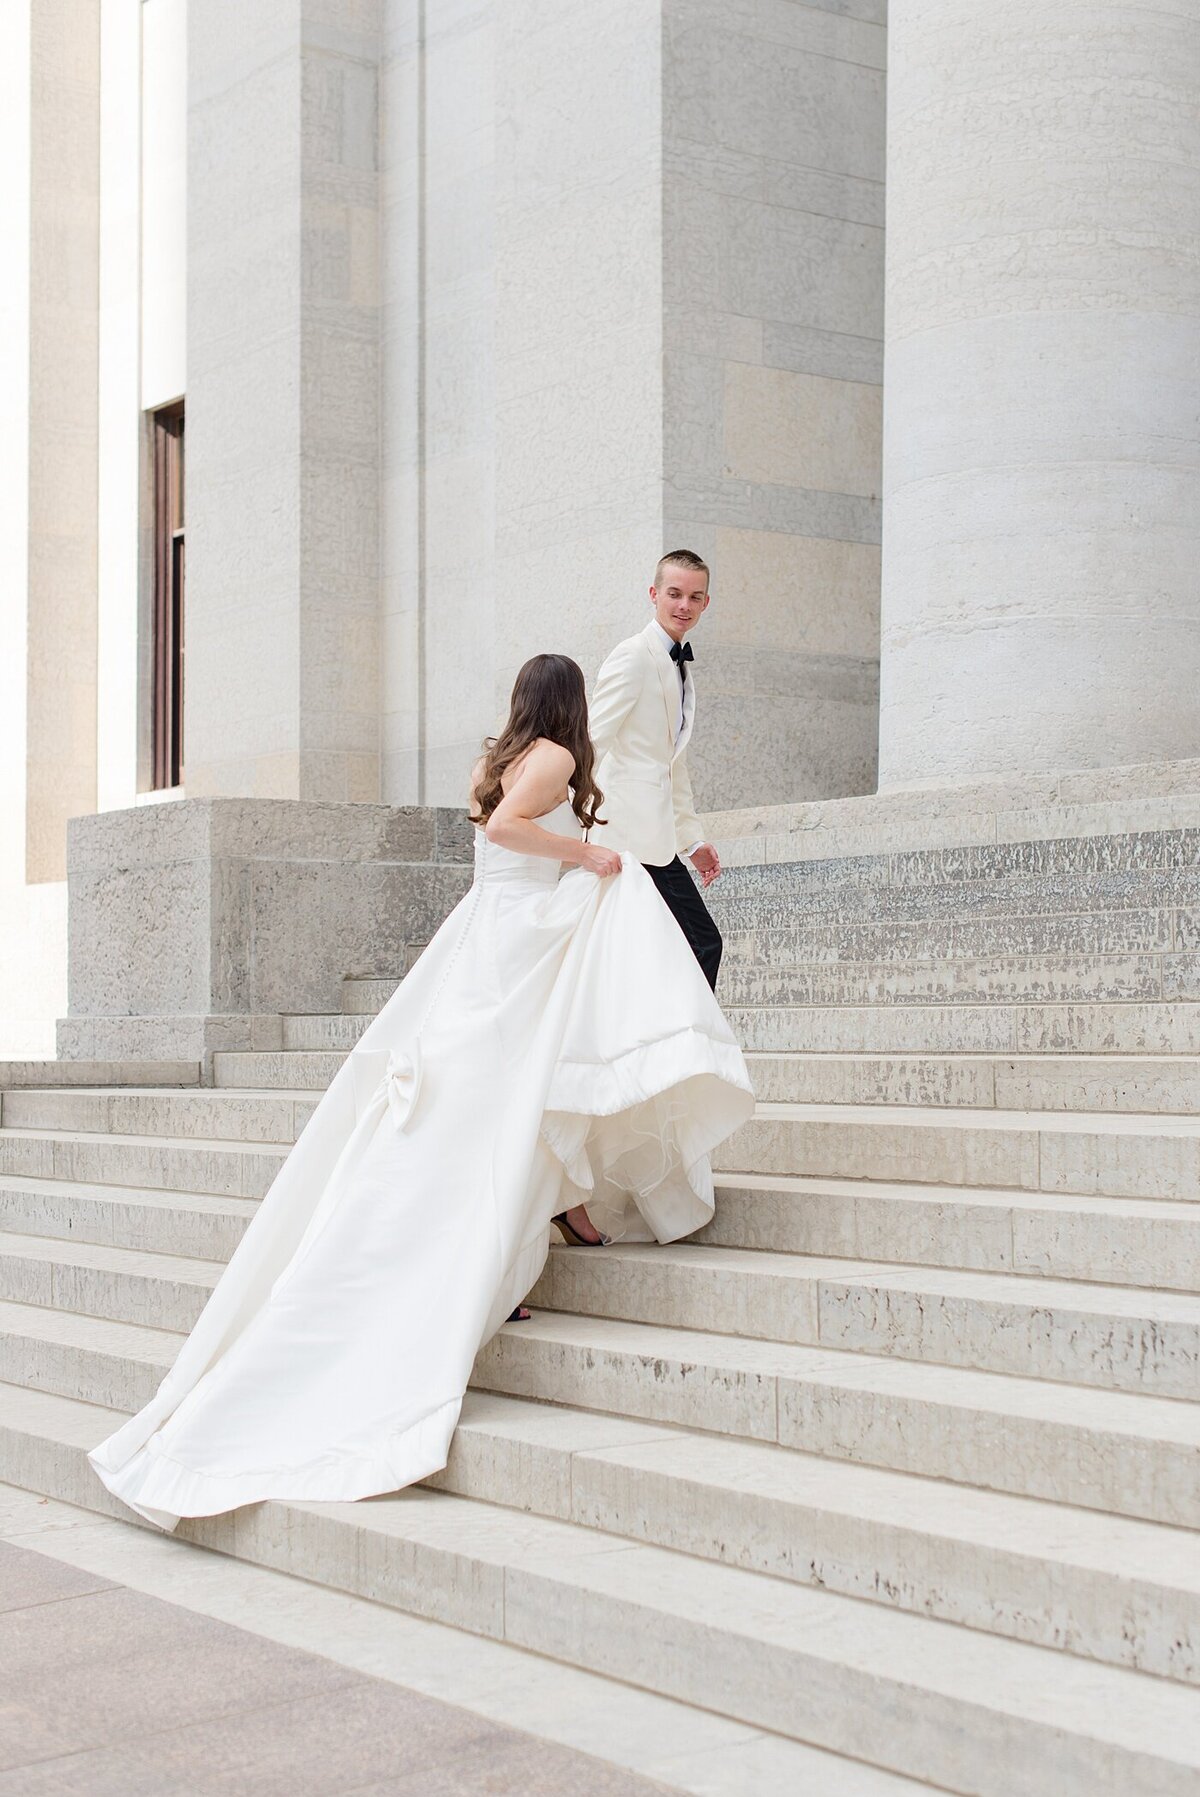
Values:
[(642, 712)]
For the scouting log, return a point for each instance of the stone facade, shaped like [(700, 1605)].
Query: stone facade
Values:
[(195, 926), (487, 304)]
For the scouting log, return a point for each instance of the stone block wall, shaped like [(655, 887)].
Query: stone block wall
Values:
[(192, 926)]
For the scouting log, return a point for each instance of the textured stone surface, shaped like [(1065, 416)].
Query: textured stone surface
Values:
[(284, 398), (235, 909), (1042, 381), (1117, 1339)]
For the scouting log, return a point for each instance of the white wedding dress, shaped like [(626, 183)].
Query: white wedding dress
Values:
[(556, 1043)]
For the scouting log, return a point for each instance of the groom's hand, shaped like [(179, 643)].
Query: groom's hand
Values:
[(707, 863)]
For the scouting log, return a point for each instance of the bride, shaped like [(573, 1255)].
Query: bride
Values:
[(555, 1055)]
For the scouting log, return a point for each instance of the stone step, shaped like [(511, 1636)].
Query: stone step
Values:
[(999, 979), (154, 1222), (1124, 1242), (1070, 875), (1126, 1593), (1154, 1084), (965, 937), (1101, 1450), (1035, 1028), (322, 1032), (1112, 1336), (1131, 1243), (98, 1073), (1118, 1339), (1032, 979), (922, 1697), (1127, 1155), (363, 996), (295, 1069), (1004, 1029), (93, 1360), (1159, 1084), (222, 1168), (212, 1114), (163, 1291)]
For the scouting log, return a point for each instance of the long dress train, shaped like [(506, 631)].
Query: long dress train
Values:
[(556, 1043)]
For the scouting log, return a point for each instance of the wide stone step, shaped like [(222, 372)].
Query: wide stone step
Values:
[(1120, 1156), (92, 1360), (1070, 877), (322, 1031), (1032, 1028), (185, 1223), (211, 1114), (1154, 1084), (1121, 1340), (1000, 979), (1102, 1450), (958, 938), (295, 1069), (224, 1169), (1127, 1593), (1160, 1084), (98, 1073), (1114, 1337), (1132, 1242), (1125, 1242), (165, 1291), (926, 1698)]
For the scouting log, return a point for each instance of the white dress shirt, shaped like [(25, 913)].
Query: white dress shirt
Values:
[(669, 640)]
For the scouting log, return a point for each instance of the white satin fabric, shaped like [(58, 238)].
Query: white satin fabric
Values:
[(556, 1042)]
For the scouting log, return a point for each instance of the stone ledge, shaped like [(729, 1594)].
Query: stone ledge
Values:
[(267, 830), (16, 1074), (192, 926), (1096, 802)]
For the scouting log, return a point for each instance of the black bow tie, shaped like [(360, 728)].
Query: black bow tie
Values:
[(681, 653)]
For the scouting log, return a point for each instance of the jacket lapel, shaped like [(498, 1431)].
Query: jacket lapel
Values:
[(668, 680)]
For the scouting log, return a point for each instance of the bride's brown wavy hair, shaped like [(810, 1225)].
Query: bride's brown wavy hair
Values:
[(549, 699)]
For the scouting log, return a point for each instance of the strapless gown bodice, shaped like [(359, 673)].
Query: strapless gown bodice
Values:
[(500, 866)]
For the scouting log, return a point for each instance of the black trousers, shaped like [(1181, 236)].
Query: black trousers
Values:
[(690, 912)]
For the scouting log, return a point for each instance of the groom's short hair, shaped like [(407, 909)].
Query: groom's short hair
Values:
[(681, 558)]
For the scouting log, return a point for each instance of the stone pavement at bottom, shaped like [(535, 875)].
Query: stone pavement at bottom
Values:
[(107, 1692)]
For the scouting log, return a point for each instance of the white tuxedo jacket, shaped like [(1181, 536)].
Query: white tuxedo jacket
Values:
[(640, 768)]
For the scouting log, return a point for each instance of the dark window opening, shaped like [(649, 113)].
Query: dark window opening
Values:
[(167, 731)]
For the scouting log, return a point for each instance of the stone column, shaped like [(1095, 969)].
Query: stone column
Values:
[(64, 242), (1042, 388), (282, 632)]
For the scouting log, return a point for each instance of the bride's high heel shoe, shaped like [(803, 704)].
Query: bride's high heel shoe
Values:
[(572, 1237)]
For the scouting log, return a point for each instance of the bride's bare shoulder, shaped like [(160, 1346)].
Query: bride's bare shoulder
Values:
[(553, 755)]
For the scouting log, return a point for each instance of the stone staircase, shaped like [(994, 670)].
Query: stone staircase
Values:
[(898, 1461)]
